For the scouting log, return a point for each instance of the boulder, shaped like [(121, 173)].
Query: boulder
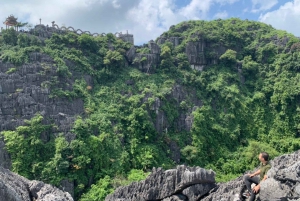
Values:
[(169, 185), (17, 188)]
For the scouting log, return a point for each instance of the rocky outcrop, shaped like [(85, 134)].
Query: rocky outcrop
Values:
[(16, 188), (178, 95), (193, 184), (174, 40), (146, 62), (182, 122), (174, 184), (199, 51)]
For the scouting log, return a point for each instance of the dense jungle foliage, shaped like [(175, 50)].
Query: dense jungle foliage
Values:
[(250, 103)]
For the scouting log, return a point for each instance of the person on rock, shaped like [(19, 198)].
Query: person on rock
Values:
[(252, 178)]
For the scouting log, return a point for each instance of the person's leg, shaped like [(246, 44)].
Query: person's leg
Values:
[(253, 195), (248, 181)]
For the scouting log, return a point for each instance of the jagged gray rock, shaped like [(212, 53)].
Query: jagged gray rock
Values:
[(194, 184), (168, 185), (154, 48), (13, 187), (174, 40), (17, 188), (146, 62), (130, 54), (178, 197), (197, 191), (227, 191)]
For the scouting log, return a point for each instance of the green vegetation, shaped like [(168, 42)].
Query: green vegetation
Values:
[(249, 96)]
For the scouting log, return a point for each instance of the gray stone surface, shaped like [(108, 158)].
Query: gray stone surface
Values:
[(197, 191), (13, 187), (149, 64), (160, 185), (45, 192), (178, 197), (227, 191), (16, 188), (154, 48), (130, 54), (174, 40)]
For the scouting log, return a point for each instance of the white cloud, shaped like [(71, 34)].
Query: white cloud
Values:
[(221, 15), (151, 18), (287, 17), (196, 9), (262, 5), (144, 18), (223, 2)]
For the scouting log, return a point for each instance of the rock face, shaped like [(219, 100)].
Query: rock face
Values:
[(175, 184), (16, 188), (193, 184), (25, 91)]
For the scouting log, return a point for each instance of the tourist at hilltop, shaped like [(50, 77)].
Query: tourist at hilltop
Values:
[(252, 178)]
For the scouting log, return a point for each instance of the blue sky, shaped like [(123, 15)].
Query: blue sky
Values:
[(148, 19)]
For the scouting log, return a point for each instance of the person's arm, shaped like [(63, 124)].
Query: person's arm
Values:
[(257, 187), (255, 173)]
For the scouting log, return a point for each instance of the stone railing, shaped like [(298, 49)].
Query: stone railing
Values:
[(47, 31), (77, 31)]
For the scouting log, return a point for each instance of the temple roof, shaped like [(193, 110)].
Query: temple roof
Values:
[(11, 21)]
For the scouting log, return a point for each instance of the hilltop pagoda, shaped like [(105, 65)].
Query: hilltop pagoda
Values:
[(11, 21)]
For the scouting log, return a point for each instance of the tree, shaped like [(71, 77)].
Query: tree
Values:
[(20, 24), (28, 151), (10, 36), (23, 40), (87, 42), (99, 190), (229, 57), (166, 58), (113, 60), (182, 61)]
